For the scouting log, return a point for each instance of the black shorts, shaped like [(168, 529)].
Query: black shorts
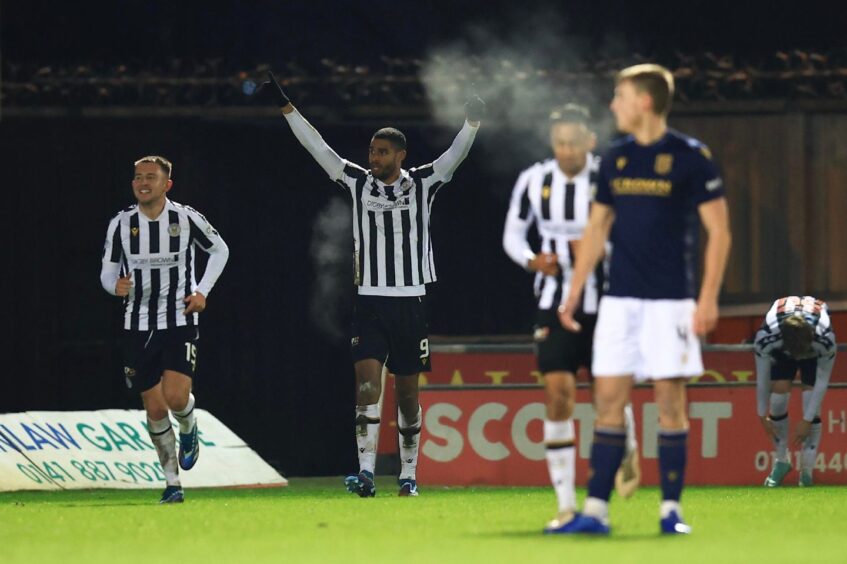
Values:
[(785, 368), (392, 330), (149, 353), (557, 349)]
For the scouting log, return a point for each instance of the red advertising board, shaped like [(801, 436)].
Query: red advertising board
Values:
[(498, 368), (494, 436)]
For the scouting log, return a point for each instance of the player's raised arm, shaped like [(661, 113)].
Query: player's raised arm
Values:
[(306, 134), (445, 165), (591, 250)]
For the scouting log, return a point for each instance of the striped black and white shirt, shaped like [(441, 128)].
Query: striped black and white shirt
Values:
[(769, 349), (159, 253), (559, 206), (391, 229)]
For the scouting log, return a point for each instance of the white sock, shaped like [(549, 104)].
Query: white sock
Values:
[(561, 461), (367, 435), (669, 505), (807, 397), (629, 422), (779, 416), (810, 448), (409, 436), (596, 507), (164, 439), (185, 417)]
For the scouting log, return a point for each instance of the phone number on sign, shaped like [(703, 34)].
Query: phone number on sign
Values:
[(93, 471), (836, 462)]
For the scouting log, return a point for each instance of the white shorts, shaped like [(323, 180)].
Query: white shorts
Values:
[(649, 339)]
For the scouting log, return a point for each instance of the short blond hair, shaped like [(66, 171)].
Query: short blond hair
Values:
[(164, 163), (655, 80)]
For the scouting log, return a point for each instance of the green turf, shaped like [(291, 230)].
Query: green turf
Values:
[(315, 520)]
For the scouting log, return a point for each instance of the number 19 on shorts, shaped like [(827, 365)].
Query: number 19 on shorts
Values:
[(191, 355)]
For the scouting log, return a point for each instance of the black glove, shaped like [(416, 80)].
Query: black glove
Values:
[(283, 99), (474, 108), (266, 90)]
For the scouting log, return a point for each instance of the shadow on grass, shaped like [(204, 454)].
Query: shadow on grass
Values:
[(96, 504), (537, 534)]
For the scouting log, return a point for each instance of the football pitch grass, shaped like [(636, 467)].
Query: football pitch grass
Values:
[(316, 520)]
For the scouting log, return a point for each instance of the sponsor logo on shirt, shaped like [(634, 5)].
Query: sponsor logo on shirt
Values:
[(401, 203), (154, 261), (623, 186)]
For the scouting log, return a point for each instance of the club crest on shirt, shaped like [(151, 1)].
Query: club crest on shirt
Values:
[(620, 163), (134, 231), (545, 192), (664, 162), (174, 229), (541, 334)]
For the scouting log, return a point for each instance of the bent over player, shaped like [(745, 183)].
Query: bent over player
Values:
[(795, 336), (556, 195), (393, 263), (148, 260), (652, 186)]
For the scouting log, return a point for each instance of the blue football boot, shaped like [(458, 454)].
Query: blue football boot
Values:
[(408, 487), (172, 494), (581, 524), (361, 484), (189, 449), (674, 525)]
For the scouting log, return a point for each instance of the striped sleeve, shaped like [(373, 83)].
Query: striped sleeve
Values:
[(208, 238), (350, 177), (112, 250), (518, 220), (112, 256)]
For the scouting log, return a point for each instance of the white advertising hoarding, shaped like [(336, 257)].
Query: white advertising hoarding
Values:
[(52, 450)]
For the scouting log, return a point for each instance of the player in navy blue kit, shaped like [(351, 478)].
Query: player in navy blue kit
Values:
[(652, 186)]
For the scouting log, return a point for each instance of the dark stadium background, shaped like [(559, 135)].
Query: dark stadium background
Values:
[(266, 369)]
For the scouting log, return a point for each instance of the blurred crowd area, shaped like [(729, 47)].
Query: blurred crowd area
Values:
[(388, 81)]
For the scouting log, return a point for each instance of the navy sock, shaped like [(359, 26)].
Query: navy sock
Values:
[(673, 449), (606, 454)]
